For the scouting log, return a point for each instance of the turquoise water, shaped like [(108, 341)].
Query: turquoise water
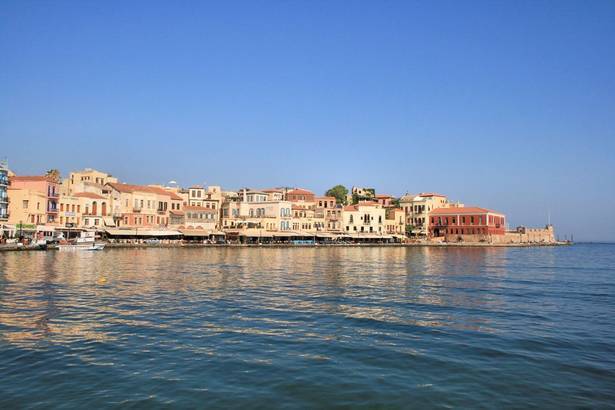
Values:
[(309, 327)]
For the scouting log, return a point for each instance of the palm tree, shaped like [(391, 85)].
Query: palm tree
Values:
[(53, 174)]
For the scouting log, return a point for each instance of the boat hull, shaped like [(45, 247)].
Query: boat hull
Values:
[(82, 247)]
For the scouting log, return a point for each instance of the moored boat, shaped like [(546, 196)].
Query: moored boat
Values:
[(86, 242)]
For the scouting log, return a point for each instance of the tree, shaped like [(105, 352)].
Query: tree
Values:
[(53, 174), (409, 229), (339, 192)]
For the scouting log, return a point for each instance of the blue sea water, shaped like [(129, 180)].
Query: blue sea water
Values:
[(369, 327)]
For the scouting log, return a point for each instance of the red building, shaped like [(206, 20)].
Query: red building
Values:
[(300, 195), (461, 221)]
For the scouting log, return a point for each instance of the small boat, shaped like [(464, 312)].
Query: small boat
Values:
[(40, 245), (86, 242)]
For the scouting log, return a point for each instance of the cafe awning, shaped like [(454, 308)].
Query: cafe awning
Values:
[(204, 233), (141, 232)]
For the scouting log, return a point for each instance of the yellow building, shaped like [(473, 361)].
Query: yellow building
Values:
[(306, 220), (417, 208), (27, 206), (87, 180), (327, 208), (268, 216), (395, 222)]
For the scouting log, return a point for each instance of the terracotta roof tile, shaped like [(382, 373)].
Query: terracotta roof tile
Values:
[(462, 210), (299, 191), (128, 188), (91, 195)]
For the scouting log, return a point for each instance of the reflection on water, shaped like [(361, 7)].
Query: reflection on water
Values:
[(58, 296), (365, 310)]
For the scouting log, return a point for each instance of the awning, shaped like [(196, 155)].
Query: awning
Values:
[(108, 221), (43, 228), (141, 232), (195, 232), (366, 236)]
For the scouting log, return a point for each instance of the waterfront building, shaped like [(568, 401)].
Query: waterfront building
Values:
[(471, 224), (70, 211), (199, 196), (96, 210), (364, 218), (418, 207), (137, 206), (4, 197), (327, 208), (395, 222), (261, 217), (306, 219), (26, 207), (299, 194), (45, 185), (86, 180), (200, 217)]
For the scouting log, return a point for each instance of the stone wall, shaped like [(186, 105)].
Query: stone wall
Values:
[(519, 235)]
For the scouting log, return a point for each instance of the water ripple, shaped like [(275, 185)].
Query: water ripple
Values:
[(309, 327)]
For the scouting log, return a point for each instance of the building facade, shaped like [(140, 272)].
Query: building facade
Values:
[(417, 209), (134, 206), (4, 196), (44, 185), (464, 223), (364, 218)]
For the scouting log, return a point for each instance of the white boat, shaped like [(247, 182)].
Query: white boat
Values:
[(86, 242)]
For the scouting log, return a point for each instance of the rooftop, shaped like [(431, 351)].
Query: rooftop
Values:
[(299, 191), (138, 188), (454, 210), (91, 195)]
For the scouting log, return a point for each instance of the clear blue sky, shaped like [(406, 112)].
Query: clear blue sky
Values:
[(504, 104)]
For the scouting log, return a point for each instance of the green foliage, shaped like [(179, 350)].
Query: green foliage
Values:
[(339, 192), (409, 229)]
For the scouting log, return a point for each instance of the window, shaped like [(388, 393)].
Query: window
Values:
[(24, 204)]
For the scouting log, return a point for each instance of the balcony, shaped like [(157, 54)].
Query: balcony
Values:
[(136, 209)]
